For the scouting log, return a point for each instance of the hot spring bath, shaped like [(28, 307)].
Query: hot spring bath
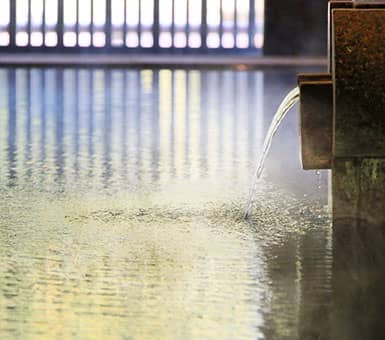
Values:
[(122, 195)]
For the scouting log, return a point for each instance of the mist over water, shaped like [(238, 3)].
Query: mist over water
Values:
[(121, 209)]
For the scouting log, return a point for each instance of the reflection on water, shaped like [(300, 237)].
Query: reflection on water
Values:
[(124, 127), (121, 203)]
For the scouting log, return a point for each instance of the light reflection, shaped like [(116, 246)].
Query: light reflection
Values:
[(10, 130), (22, 111), (71, 124), (36, 105), (174, 124), (4, 113), (98, 107), (213, 109), (27, 166), (165, 121), (179, 112), (194, 117), (227, 91)]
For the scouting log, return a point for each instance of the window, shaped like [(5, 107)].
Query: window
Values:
[(178, 24)]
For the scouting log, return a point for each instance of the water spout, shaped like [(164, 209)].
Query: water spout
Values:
[(289, 101)]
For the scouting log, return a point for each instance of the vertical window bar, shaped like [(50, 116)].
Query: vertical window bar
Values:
[(221, 23), (12, 23), (235, 24), (125, 26), (91, 27), (173, 23), (139, 22), (60, 23), (187, 26), (77, 30), (251, 30), (204, 24), (43, 23), (108, 25), (29, 24), (156, 24)]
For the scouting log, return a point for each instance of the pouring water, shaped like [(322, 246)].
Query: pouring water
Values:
[(288, 102)]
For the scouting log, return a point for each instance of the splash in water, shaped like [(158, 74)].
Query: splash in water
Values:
[(290, 100)]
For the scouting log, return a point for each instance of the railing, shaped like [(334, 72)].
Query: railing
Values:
[(139, 25)]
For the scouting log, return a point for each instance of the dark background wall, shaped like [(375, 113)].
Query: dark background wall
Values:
[(296, 27)]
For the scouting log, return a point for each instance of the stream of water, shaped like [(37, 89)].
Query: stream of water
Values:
[(288, 102)]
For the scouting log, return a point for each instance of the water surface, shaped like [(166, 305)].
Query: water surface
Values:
[(122, 196)]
